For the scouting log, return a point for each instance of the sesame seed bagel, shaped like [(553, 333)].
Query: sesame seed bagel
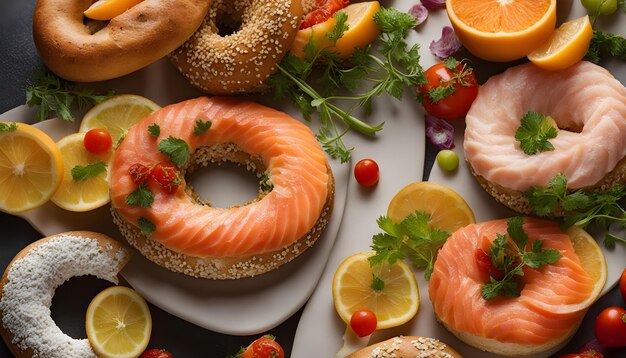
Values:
[(242, 61), (94, 51), (407, 346), (191, 237), (29, 282)]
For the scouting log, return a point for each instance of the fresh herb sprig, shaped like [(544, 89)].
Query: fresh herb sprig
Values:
[(509, 254), (582, 208), (176, 149), (411, 239), (146, 226), (447, 88), (54, 96), (395, 67), (201, 127), (84, 172), (603, 43), (142, 196), (7, 127), (534, 133)]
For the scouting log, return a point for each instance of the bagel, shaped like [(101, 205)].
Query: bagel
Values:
[(588, 105), (240, 62), (226, 243), (29, 282), (406, 347), (143, 34)]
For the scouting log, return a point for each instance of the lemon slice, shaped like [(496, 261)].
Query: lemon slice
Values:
[(395, 304), (108, 9), (31, 168), (118, 323), (567, 45), (86, 194), (117, 114), (448, 210)]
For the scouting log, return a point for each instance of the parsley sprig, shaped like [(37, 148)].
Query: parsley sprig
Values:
[(582, 208), (84, 172), (176, 149), (447, 88), (411, 239), (7, 127), (509, 254), (141, 196), (603, 43), (55, 97), (534, 133), (395, 67)]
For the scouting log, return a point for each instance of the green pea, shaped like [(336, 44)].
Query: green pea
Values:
[(447, 160)]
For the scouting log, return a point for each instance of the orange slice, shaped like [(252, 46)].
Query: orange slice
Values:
[(362, 30), (566, 47), (502, 30), (108, 9)]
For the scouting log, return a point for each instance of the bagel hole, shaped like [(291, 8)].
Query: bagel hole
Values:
[(70, 302), (228, 24)]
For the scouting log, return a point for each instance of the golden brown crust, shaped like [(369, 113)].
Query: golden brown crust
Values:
[(407, 347), (108, 245), (242, 61), (515, 199), (229, 267), (141, 35)]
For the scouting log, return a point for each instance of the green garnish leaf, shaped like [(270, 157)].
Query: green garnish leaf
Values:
[(154, 130), (7, 127), (55, 97), (377, 283), (142, 196), (84, 172), (603, 44), (534, 132), (201, 127), (147, 227), (340, 26), (176, 149), (451, 63), (265, 183), (438, 93)]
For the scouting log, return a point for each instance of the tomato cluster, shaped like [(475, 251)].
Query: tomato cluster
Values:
[(165, 174)]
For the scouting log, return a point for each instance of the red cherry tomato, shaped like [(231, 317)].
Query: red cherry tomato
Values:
[(98, 141), (264, 347), (139, 173), (622, 285), (363, 322), (325, 9), (456, 104), (585, 354), (166, 174), (366, 172), (610, 327), (156, 353), (486, 265)]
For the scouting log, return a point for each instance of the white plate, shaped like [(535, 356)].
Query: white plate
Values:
[(232, 307), (320, 329)]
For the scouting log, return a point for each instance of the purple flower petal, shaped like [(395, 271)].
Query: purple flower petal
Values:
[(439, 132), (447, 45), (419, 12), (434, 4)]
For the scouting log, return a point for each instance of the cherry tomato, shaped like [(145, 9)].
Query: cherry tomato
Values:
[(585, 354), (458, 102), (366, 172), (139, 173), (486, 265), (323, 12), (363, 322), (166, 174), (610, 327), (98, 141), (622, 284), (602, 7), (156, 353), (264, 347)]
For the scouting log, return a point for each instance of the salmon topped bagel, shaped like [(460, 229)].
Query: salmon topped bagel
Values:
[(171, 226), (585, 102), (548, 308)]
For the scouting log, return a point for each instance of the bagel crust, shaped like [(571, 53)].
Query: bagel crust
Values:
[(134, 39), (407, 346), (242, 61)]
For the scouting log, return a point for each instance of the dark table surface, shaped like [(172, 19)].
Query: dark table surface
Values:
[(18, 60)]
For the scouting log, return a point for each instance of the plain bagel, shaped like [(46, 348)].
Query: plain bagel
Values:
[(407, 347), (29, 283), (143, 34)]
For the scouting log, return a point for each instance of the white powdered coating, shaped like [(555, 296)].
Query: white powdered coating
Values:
[(31, 283)]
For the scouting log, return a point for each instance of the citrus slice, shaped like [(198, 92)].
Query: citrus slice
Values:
[(108, 9), (117, 114), (118, 323), (31, 168), (502, 30), (567, 45), (362, 30), (448, 210), (81, 195), (395, 304)]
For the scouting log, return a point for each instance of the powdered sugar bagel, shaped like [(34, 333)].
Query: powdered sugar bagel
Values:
[(29, 283)]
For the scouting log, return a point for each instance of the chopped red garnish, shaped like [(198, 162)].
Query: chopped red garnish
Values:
[(486, 265), (139, 173), (323, 12), (167, 175), (156, 353)]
